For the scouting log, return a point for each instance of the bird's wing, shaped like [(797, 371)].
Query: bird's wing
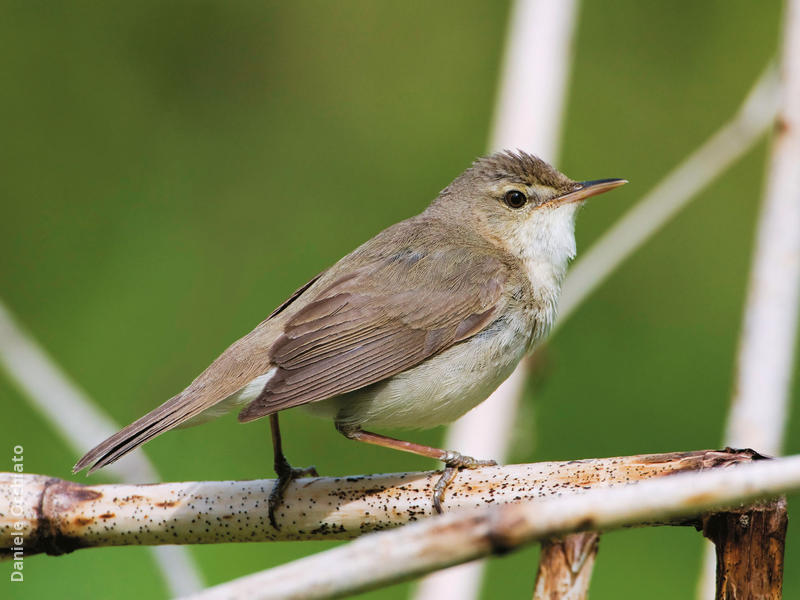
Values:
[(375, 322)]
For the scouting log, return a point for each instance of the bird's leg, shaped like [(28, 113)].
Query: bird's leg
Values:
[(453, 461), (286, 474)]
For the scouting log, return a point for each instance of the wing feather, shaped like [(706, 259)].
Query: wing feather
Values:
[(378, 322)]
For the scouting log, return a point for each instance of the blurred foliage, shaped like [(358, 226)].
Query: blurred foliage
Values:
[(172, 170)]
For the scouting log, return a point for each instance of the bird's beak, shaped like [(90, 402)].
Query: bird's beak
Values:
[(584, 189)]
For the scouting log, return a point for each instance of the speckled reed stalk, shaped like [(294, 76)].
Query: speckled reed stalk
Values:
[(388, 557), (57, 516)]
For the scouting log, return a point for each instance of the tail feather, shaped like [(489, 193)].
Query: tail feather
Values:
[(172, 413), (245, 362)]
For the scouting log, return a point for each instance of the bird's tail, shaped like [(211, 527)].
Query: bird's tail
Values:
[(238, 373), (171, 414)]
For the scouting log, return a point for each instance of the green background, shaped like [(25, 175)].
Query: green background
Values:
[(170, 171)]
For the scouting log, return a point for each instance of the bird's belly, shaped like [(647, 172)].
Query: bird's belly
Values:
[(438, 390)]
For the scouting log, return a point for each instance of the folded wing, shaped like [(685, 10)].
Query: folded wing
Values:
[(384, 318)]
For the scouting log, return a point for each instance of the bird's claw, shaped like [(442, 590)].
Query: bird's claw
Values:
[(286, 474), (454, 462)]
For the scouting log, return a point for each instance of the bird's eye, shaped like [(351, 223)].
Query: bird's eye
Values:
[(515, 199)]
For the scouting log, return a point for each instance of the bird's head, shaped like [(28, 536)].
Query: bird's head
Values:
[(520, 203)]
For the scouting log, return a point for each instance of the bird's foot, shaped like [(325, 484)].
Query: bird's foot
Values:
[(453, 463), (286, 474)]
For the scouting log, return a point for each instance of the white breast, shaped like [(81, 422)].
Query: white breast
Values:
[(545, 244)]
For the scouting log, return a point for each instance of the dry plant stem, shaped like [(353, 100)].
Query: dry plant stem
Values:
[(536, 65), (391, 556), (766, 347), (59, 516), (528, 114), (766, 351), (80, 421), (749, 546), (565, 567)]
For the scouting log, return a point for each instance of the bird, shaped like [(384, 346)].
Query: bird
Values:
[(411, 330)]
